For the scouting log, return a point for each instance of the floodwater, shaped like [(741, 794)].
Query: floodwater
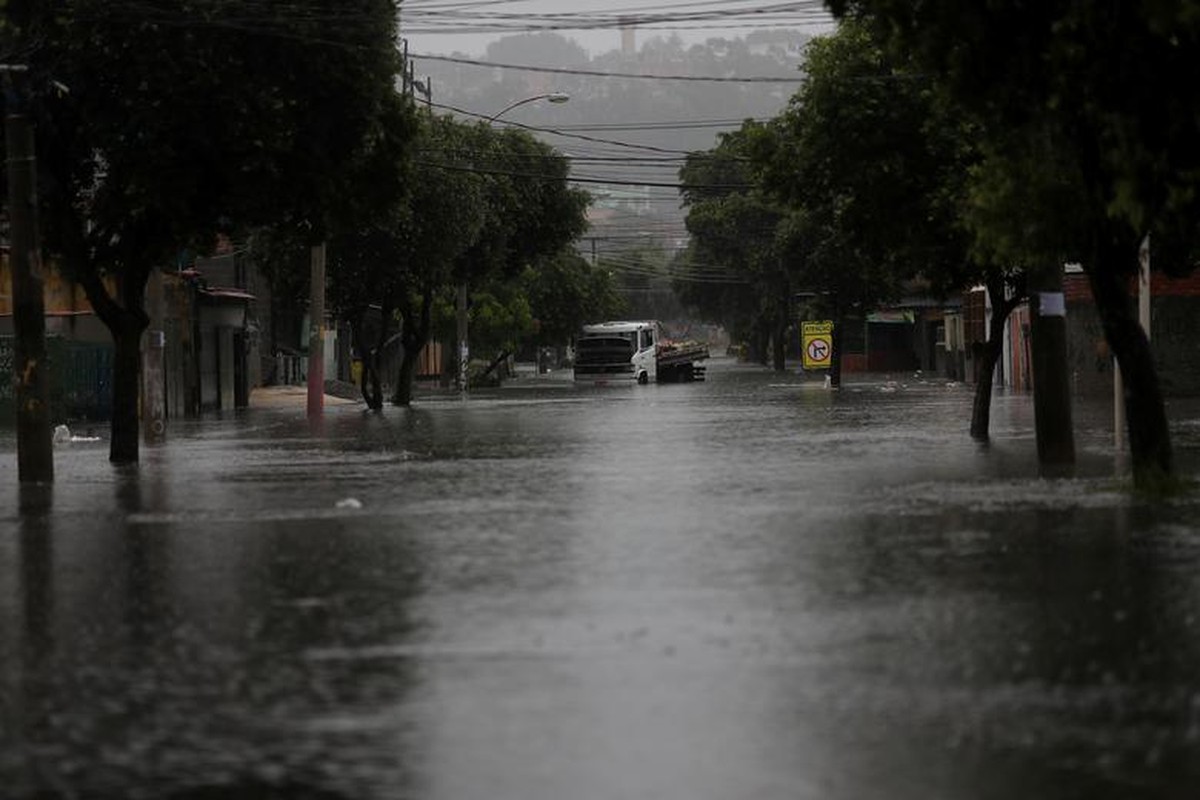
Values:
[(750, 588)]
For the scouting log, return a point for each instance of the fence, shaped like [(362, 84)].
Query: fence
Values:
[(80, 379)]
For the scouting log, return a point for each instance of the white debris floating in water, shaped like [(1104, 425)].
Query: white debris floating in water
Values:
[(63, 435)]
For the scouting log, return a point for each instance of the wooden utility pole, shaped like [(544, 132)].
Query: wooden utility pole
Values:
[(35, 449), (1051, 375), (316, 335)]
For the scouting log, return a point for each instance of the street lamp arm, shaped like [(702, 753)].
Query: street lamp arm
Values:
[(553, 97)]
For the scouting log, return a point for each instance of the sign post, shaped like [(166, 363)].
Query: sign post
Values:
[(816, 338)]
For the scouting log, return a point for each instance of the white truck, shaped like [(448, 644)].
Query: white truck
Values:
[(635, 352)]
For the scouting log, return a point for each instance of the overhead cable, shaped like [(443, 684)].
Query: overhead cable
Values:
[(600, 74)]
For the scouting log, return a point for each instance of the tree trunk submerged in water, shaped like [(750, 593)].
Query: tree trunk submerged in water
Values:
[(760, 345), (1145, 414), (127, 373), (404, 380), (370, 382), (126, 322), (414, 335), (989, 357), (779, 345)]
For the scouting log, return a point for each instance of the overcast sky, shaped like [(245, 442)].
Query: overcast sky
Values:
[(435, 26)]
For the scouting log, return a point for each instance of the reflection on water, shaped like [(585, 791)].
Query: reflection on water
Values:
[(746, 588)]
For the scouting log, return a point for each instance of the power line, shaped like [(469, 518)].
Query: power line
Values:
[(464, 19), (661, 126), (600, 74), (590, 180), (557, 132)]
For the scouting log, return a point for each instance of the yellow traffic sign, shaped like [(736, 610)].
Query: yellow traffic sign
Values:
[(817, 342)]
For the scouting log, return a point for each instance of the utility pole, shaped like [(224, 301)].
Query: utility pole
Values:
[(1119, 422), (316, 335), (1051, 378), (154, 406), (464, 352), (35, 449)]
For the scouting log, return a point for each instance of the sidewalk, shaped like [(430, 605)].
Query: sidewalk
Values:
[(291, 397)]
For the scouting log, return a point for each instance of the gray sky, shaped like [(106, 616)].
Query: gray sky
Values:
[(443, 26)]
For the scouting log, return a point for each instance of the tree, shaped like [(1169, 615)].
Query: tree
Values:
[(481, 205), (565, 293), (529, 209), (180, 124), (872, 167), (734, 222), (882, 164), (402, 260), (1088, 79)]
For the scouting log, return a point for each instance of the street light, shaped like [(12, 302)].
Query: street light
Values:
[(461, 301), (551, 97)]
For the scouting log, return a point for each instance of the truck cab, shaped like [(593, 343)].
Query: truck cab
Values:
[(616, 352)]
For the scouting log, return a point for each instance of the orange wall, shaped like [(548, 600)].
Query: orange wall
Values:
[(60, 295)]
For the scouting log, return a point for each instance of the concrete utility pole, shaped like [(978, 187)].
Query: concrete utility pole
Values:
[(316, 335), (464, 350), (1051, 377), (154, 405), (35, 448)]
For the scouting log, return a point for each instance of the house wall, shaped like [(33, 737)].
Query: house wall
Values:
[(228, 368), (218, 324), (203, 369), (892, 347), (1018, 361), (1174, 336)]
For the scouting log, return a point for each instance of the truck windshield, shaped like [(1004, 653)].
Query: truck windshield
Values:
[(617, 348)]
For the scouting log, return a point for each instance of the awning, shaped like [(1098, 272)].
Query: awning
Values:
[(220, 293)]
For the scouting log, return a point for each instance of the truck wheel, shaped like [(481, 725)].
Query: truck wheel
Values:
[(643, 379)]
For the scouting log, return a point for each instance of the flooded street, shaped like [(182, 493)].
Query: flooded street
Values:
[(749, 588)]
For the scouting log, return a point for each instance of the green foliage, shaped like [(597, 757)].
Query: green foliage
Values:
[(565, 292), (182, 122), (185, 122), (500, 318), (1090, 80), (736, 224), (480, 206), (531, 211), (1017, 177), (1083, 90), (876, 166)]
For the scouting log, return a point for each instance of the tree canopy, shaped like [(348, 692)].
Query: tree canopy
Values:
[(481, 206), (162, 127), (1080, 87), (736, 224)]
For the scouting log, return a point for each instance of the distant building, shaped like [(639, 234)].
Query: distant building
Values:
[(1174, 337), (210, 331)]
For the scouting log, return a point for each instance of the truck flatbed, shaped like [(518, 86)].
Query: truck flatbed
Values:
[(679, 362)]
